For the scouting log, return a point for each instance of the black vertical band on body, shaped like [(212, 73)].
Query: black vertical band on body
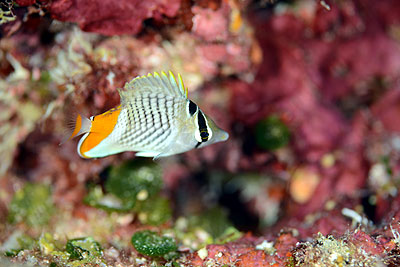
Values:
[(192, 108)]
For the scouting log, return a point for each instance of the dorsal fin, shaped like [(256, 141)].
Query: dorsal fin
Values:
[(155, 83)]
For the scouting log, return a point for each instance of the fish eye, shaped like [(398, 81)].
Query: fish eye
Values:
[(204, 135), (192, 108)]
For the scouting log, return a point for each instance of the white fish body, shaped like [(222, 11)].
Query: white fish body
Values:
[(155, 119)]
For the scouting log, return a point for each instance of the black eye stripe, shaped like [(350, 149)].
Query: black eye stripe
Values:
[(202, 121), (192, 108)]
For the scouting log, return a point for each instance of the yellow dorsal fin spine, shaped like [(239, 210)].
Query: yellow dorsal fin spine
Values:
[(164, 75), (181, 85), (172, 79), (178, 83)]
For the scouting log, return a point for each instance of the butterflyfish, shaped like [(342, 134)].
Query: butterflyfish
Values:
[(155, 119)]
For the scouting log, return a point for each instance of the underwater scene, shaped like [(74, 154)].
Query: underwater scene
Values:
[(199, 133)]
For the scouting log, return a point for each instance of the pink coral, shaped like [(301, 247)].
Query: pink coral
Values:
[(387, 110), (25, 2), (210, 25), (112, 17)]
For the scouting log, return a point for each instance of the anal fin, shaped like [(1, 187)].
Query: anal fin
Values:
[(147, 154)]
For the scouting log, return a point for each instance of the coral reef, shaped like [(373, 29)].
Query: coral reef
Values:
[(308, 91)]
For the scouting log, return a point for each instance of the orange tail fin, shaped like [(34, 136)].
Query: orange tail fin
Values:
[(76, 127)]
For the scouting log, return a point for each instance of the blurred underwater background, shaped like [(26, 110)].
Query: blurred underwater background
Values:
[(308, 90)]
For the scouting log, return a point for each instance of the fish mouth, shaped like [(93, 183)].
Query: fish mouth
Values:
[(224, 136)]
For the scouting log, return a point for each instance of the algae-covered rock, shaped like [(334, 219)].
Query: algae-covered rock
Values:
[(31, 204), (272, 133), (83, 248), (214, 221), (96, 198), (229, 235), (343, 251), (47, 244), (151, 244), (16, 242), (77, 252), (154, 211), (127, 180), (209, 227), (133, 186)]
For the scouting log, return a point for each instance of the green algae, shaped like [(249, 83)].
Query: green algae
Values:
[(133, 187), (331, 251), (47, 244), (151, 244), (83, 251), (154, 211), (17, 242), (127, 180), (214, 221), (271, 133), (96, 198), (83, 248), (49, 250), (229, 235), (31, 204), (12, 252), (210, 227)]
